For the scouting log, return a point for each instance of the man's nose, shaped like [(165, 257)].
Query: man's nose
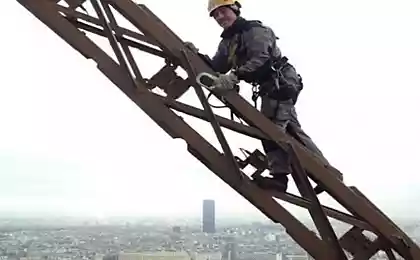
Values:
[(218, 15)]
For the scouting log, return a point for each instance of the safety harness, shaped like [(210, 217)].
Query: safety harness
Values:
[(282, 89), (273, 70)]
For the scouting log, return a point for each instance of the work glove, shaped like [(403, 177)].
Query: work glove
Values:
[(191, 46), (226, 81)]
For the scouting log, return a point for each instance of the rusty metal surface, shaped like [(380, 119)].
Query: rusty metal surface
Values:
[(316, 211), (156, 38)]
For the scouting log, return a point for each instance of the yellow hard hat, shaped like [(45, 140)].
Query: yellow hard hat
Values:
[(214, 4)]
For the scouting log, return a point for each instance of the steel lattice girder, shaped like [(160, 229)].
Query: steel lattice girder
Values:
[(159, 40)]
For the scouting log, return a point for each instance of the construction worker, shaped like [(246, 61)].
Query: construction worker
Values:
[(248, 51)]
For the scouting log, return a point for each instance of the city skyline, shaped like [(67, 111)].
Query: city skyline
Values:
[(235, 241)]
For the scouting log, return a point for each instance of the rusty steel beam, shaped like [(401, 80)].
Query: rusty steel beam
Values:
[(74, 4), (196, 112), (254, 132), (156, 38), (316, 210), (175, 126), (76, 15), (141, 17), (123, 39), (360, 247)]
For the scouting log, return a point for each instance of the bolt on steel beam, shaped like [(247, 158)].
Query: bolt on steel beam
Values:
[(158, 39)]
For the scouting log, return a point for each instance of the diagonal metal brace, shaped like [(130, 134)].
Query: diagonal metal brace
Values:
[(111, 37), (316, 210), (212, 118)]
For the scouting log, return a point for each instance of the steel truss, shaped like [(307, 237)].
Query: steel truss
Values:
[(157, 39)]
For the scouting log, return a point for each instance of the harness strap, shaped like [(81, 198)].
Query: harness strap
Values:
[(283, 89), (232, 115)]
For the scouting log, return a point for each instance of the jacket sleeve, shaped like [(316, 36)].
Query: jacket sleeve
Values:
[(258, 42), (220, 62)]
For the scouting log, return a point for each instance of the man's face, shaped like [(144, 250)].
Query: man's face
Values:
[(224, 16)]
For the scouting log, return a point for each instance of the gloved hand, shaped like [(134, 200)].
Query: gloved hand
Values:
[(226, 81), (191, 46)]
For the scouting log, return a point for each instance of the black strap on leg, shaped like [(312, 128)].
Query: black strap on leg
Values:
[(256, 93), (232, 115)]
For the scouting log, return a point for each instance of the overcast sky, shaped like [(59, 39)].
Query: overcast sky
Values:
[(72, 143)]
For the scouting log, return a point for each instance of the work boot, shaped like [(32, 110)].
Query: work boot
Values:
[(319, 188), (278, 183)]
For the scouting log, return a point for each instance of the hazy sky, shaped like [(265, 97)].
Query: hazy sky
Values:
[(71, 142)]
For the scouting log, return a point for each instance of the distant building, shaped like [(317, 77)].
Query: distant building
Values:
[(161, 255), (176, 229), (209, 216), (298, 257), (230, 251), (98, 257), (208, 256)]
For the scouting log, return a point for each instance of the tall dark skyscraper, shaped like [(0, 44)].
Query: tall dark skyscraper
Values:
[(209, 216)]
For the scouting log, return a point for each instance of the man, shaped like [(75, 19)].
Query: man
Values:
[(249, 51)]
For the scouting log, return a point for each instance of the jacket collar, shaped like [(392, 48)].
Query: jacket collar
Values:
[(238, 26)]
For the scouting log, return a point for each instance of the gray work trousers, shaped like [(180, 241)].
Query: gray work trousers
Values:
[(283, 114)]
